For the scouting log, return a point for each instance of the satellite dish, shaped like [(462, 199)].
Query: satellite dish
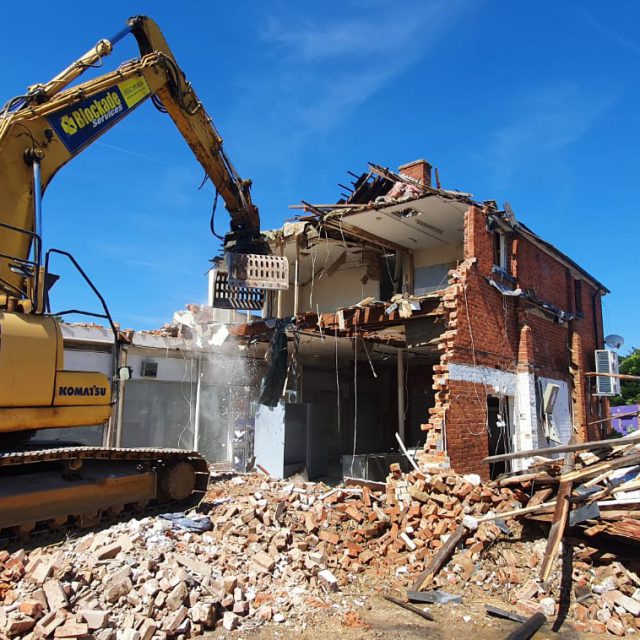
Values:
[(613, 341)]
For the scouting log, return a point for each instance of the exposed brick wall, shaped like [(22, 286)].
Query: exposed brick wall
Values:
[(419, 170), (466, 432), (485, 328), (525, 349)]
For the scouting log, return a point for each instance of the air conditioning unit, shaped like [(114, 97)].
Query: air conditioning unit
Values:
[(607, 362)]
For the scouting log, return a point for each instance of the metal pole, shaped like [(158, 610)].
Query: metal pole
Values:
[(401, 398), (279, 309), (296, 290), (37, 210), (120, 403), (196, 422)]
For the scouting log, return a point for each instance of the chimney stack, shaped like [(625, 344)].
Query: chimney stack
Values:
[(419, 170)]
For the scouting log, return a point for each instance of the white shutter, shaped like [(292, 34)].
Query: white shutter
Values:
[(607, 362)]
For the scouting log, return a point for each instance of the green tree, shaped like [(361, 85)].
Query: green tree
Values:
[(629, 389)]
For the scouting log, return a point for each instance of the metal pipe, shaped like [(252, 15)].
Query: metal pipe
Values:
[(123, 33), (90, 59), (279, 305), (37, 211), (528, 628), (401, 398)]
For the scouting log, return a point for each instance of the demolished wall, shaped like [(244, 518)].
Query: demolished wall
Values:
[(503, 344)]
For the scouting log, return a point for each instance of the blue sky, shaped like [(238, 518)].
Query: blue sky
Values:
[(535, 106)]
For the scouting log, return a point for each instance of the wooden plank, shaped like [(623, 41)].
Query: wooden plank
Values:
[(619, 376), (617, 417), (438, 561), (540, 496), (540, 517), (528, 628), (344, 227), (406, 453), (559, 519), (627, 460), (539, 508), (578, 446), (410, 607), (539, 477)]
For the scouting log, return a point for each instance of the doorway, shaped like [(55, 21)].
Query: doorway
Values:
[(500, 433)]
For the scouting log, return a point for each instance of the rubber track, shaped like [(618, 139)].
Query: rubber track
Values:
[(103, 453), (146, 455)]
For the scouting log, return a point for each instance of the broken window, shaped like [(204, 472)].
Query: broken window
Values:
[(390, 275), (500, 251)]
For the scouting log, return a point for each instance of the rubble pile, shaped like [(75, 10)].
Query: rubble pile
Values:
[(268, 551), (600, 594)]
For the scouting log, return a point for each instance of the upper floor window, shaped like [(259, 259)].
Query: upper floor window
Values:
[(500, 258)]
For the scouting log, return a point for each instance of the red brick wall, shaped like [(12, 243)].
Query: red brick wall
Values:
[(419, 170), (466, 433), (484, 329)]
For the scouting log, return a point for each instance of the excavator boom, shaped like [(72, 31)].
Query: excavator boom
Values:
[(53, 123), (40, 132)]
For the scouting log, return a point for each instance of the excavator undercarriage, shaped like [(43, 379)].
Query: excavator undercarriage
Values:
[(52, 488)]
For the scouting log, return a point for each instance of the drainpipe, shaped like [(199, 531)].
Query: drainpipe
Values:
[(594, 310), (401, 398), (196, 421)]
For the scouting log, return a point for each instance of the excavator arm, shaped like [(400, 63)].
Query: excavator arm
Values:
[(52, 123), (40, 132)]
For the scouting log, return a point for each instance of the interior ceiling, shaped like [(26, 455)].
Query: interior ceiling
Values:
[(320, 350), (321, 256), (427, 222), (437, 222)]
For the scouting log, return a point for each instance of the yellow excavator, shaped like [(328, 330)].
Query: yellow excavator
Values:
[(40, 132)]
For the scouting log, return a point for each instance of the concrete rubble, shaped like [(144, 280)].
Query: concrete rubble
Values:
[(278, 549)]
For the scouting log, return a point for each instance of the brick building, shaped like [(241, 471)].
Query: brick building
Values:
[(417, 310), (521, 316)]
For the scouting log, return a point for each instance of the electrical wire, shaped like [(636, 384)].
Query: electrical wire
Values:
[(361, 276), (338, 384), (314, 255), (373, 371), (189, 423), (483, 405), (355, 400)]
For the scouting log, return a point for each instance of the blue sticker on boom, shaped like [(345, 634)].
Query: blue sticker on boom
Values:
[(78, 125)]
